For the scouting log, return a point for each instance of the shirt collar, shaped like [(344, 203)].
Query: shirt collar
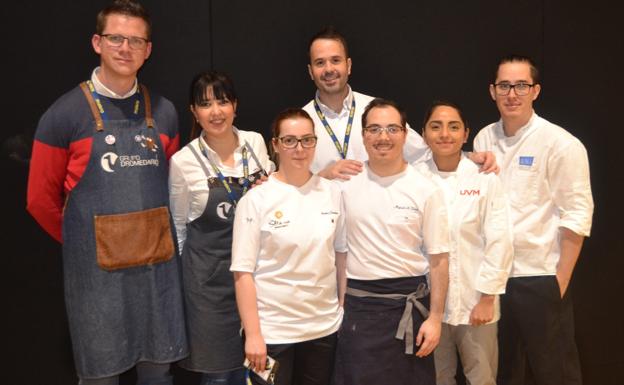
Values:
[(213, 154), (101, 89), (346, 104), (522, 131)]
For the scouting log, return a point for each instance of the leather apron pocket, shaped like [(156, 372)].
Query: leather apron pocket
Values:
[(133, 239)]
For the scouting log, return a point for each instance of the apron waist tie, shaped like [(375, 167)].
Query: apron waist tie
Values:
[(405, 331)]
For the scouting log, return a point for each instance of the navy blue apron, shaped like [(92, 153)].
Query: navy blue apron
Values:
[(368, 352), (130, 309), (212, 317)]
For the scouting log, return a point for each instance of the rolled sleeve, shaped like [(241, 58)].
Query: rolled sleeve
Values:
[(568, 175)]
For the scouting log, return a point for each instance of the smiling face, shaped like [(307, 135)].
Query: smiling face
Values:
[(511, 106), (123, 61), (444, 132), (298, 158), (384, 147), (329, 66), (215, 116)]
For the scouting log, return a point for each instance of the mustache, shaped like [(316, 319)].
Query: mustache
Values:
[(330, 75)]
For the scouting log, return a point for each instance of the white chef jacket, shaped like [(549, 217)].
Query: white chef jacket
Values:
[(392, 224), (285, 236), (545, 172), (326, 153), (481, 251), (188, 184)]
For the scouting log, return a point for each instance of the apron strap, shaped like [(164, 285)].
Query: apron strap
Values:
[(405, 330), (255, 158), (149, 120), (99, 123), (199, 159)]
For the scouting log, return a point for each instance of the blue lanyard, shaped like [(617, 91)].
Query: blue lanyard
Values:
[(100, 107), (228, 189), (342, 150)]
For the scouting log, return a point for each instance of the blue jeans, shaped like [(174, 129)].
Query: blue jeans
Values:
[(233, 377)]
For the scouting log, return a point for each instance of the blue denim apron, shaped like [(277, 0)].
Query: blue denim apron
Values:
[(211, 313), (120, 316)]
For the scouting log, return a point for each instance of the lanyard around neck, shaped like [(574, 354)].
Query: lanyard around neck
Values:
[(100, 107), (233, 198), (342, 150)]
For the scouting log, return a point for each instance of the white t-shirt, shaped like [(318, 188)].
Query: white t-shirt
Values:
[(545, 172), (188, 184), (392, 224), (481, 252), (285, 236), (415, 149)]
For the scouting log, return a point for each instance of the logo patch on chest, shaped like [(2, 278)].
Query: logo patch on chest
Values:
[(224, 210), (108, 161)]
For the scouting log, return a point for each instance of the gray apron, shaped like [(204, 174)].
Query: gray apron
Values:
[(212, 317), (121, 315)]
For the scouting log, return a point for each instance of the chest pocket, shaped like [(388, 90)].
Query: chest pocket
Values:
[(523, 182)]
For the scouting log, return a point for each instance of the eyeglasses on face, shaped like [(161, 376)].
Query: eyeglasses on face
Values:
[(375, 129), (521, 89), (291, 141), (116, 40)]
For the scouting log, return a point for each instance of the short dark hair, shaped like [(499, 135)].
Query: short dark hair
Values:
[(383, 103), (511, 58), (123, 7), (222, 88), (439, 103), (329, 32)]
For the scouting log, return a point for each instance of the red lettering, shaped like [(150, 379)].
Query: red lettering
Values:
[(469, 192)]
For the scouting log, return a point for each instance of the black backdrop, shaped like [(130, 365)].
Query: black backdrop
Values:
[(410, 51)]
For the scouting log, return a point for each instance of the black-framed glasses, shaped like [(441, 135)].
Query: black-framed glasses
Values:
[(291, 141), (375, 129), (521, 89), (116, 40)]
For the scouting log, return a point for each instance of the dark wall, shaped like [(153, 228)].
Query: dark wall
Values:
[(408, 51)]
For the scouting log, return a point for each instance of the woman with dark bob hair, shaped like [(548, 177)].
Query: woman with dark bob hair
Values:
[(207, 179)]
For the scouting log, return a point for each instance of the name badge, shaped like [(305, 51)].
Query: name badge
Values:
[(525, 161)]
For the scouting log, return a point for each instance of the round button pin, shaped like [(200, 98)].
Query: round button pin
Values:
[(109, 139)]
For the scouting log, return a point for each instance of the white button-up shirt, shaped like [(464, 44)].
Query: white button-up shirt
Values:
[(481, 251), (326, 153), (545, 172)]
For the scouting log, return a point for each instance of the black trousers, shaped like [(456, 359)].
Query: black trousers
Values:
[(302, 363), (536, 334)]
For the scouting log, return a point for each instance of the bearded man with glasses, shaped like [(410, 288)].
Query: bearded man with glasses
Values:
[(545, 173), (98, 184)]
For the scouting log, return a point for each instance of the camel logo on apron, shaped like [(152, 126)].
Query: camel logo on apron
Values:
[(108, 161), (224, 210)]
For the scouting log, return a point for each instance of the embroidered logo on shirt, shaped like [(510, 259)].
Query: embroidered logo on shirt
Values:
[(525, 161), (278, 223), (469, 192)]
